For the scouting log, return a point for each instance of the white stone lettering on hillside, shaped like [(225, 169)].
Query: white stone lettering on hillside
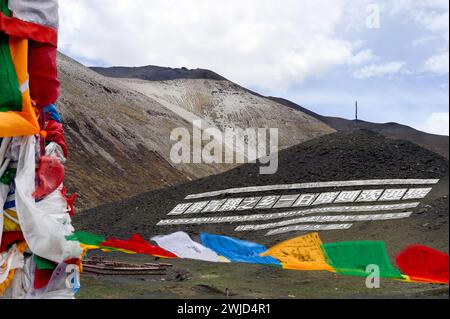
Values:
[(180, 209), (249, 203), (347, 197), (309, 228), (325, 219), (336, 209), (370, 195), (393, 194), (256, 189), (261, 217), (417, 193), (286, 201), (303, 200)]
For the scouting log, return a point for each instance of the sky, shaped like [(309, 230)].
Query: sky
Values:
[(390, 55)]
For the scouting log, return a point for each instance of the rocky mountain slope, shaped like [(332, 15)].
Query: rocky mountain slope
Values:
[(223, 104), (217, 102), (119, 138), (435, 143)]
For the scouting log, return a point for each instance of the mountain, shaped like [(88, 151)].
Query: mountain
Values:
[(119, 137), (157, 73), (223, 104), (116, 138), (435, 143)]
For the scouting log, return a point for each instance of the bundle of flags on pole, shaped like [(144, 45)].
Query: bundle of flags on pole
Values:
[(36, 214)]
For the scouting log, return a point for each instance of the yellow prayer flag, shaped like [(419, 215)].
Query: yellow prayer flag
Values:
[(301, 253)]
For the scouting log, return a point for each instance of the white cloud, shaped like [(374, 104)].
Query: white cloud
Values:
[(414, 6), (362, 57), (379, 70), (432, 20), (261, 43), (425, 40), (438, 64), (437, 123), (433, 16)]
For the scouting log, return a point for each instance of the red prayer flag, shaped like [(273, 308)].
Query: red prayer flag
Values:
[(55, 133), (10, 238), (42, 68), (28, 30), (50, 174), (424, 264), (138, 245), (42, 278)]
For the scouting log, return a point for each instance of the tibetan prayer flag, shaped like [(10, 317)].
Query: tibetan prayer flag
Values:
[(10, 238), (7, 282), (45, 234), (52, 113), (44, 84), (184, 247), (353, 258), (31, 19), (13, 259), (55, 133), (236, 250), (50, 176), (17, 115), (42, 277), (87, 239), (424, 264), (44, 264), (10, 96), (137, 245), (44, 12), (10, 222), (301, 253)]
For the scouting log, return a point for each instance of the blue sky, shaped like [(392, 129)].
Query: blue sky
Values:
[(390, 55)]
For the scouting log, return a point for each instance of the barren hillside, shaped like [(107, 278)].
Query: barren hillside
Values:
[(118, 131)]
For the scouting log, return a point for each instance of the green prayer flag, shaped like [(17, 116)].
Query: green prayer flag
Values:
[(10, 95), (44, 264), (353, 258), (8, 176), (86, 238)]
